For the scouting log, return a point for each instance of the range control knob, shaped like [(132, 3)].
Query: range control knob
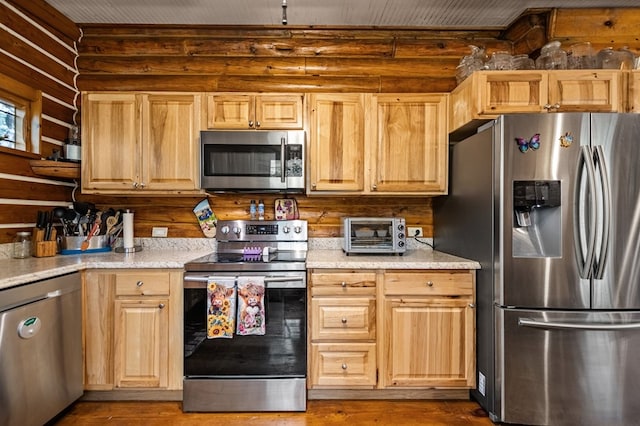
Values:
[(237, 230), (225, 229), (286, 229), (297, 229), (400, 227)]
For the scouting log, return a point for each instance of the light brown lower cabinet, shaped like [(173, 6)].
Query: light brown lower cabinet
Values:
[(392, 329), (133, 329)]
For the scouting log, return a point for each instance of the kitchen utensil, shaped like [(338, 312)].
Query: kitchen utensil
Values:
[(112, 221), (94, 231)]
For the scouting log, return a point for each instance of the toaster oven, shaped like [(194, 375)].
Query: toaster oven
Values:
[(371, 235)]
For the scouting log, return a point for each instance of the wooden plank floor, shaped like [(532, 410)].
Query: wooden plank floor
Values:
[(319, 412)]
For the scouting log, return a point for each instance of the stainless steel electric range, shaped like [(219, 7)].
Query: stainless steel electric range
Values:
[(265, 372)]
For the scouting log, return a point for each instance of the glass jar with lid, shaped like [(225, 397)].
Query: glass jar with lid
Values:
[(22, 245), (552, 57)]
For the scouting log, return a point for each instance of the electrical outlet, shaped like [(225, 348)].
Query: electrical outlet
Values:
[(160, 232), (414, 231)]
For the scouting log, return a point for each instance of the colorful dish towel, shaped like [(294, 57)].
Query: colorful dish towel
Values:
[(251, 319), (221, 307)]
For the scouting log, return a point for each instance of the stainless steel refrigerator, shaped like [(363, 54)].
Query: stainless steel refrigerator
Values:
[(549, 204)]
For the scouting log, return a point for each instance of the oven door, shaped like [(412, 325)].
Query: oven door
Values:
[(280, 352)]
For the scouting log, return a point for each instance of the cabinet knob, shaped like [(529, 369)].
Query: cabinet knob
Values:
[(139, 283), (472, 305), (313, 185), (374, 187), (250, 123), (142, 185), (135, 184), (344, 320), (343, 284), (257, 124), (430, 283), (344, 366), (161, 306)]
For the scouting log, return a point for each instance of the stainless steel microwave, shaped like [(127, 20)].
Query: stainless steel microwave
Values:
[(252, 160), (382, 235)]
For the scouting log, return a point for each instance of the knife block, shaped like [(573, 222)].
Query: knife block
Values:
[(44, 248)]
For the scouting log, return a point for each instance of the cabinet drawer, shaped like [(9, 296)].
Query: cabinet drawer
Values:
[(347, 283), (343, 365), (429, 283), (142, 284), (343, 318)]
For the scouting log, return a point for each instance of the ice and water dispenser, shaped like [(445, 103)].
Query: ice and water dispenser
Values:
[(537, 225)]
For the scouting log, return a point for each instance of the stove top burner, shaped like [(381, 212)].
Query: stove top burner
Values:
[(256, 245)]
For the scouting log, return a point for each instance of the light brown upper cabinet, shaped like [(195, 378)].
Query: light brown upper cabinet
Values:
[(337, 137), (410, 151), (487, 94), (391, 144), (140, 143), (241, 111)]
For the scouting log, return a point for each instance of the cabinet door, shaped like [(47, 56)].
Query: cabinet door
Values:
[(587, 90), (99, 293), (141, 343), (110, 141), (336, 142), (171, 125), (428, 342), (411, 144), (279, 111), (505, 92), (227, 111), (634, 91)]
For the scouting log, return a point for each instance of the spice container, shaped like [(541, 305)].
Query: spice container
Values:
[(22, 245)]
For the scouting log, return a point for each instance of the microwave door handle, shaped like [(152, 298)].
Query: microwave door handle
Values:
[(283, 142)]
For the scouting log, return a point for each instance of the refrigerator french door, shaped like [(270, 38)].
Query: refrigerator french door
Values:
[(549, 206)]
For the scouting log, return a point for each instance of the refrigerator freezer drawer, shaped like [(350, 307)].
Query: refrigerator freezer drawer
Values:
[(568, 368)]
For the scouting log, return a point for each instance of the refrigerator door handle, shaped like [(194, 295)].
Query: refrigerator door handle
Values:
[(599, 160), (526, 322), (585, 260)]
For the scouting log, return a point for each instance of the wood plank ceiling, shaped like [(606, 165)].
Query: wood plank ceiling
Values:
[(450, 14)]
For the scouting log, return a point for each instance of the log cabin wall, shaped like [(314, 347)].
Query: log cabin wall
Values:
[(277, 59), (37, 49), (284, 59)]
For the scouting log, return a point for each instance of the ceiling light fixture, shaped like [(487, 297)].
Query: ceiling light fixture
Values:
[(284, 12)]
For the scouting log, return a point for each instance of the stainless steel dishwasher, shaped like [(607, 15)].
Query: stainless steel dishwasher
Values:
[(40, 349)]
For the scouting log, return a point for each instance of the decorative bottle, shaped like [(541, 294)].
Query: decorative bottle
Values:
[(252, 210), (260, 210)]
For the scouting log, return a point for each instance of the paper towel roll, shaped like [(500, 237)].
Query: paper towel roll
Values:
[(127, 229)]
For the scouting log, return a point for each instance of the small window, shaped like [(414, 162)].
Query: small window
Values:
[(20, 113), (11, 125)]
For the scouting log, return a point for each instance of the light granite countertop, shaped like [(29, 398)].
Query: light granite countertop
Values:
[(174, 253), (21, 271), (412, 259)]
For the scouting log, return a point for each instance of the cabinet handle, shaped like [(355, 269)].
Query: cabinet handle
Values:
[(344, 320), (430, 283), (344, 366), (343, 284), (161, 306), (139, 283), (250, 123), (550, 107)]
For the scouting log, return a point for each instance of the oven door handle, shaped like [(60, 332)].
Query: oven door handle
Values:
[(288, 281)]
